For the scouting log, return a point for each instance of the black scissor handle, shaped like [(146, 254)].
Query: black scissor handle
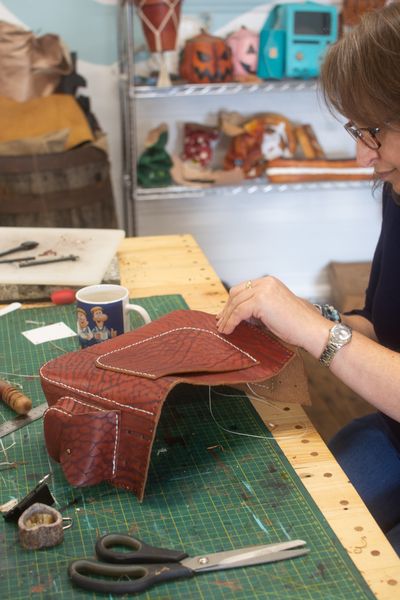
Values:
[(136, 578), (141, 552)]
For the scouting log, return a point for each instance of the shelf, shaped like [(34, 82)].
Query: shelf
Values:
[(220, 89), (251, 187)]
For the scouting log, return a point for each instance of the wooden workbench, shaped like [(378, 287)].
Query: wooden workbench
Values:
[(176, 265)]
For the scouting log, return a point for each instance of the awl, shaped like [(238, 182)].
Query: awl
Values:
[(20, 248)]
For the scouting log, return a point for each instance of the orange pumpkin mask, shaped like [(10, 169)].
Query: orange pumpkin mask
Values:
[(206, 59)]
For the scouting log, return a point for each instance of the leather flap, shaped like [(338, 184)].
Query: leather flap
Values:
[(179, 350), (84, 439)]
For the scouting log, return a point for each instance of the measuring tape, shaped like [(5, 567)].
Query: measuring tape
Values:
[(22, 420)]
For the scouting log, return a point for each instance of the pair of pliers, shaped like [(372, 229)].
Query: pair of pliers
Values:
[(143, 566)]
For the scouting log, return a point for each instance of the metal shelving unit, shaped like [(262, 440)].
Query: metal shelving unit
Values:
[(218, 89), (129, 151), (130, 94), (248, 187)]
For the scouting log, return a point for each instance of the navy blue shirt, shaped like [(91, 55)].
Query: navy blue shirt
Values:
[(382, 299)]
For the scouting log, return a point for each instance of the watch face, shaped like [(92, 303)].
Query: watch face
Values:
[(341, 333)]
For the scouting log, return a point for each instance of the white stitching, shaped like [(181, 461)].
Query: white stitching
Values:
[(115, 445), (262, 385), (69, 387), (60, 410), (120, 370), (82, 402)]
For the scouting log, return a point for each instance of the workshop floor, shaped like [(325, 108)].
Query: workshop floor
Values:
[(333, 403)]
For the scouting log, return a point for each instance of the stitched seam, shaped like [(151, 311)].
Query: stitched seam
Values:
[(60, 410), (114, 462), (64, 412), (261, 385), (83, 403), (69, 387), (142, 373), (116, 428)]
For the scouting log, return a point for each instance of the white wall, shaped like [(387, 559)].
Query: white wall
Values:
[(291, 234)]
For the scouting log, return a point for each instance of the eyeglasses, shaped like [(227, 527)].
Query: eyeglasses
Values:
[(367, 135)]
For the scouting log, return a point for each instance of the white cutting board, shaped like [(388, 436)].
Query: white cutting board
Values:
[(95, 248)]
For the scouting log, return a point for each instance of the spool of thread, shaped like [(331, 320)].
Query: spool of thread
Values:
[(14, 398)]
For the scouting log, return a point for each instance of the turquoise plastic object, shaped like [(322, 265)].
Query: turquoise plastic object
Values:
[(294, 39)]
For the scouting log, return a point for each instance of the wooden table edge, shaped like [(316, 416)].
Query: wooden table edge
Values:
[(182, 268)]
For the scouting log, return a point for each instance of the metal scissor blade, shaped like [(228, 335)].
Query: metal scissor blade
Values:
[(252, 555)]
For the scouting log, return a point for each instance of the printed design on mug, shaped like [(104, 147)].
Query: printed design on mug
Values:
[(100, 331), (103, 313), (84, 331)]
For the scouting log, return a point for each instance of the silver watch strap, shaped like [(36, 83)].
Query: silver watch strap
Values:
[(327, 356)]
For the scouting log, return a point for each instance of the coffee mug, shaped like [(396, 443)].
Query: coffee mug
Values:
[(103, 312)]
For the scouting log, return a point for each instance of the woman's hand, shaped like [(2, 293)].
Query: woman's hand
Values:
[(369, 369), (289, 317)]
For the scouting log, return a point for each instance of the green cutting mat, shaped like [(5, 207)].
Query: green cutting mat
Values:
[(207, 491)]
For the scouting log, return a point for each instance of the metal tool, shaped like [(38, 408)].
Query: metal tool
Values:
[(47, 261), (20, 248), (14, 260), (143, 566), (40, 493), (22, 420)]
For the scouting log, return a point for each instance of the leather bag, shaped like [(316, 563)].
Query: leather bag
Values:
[(105, 401)]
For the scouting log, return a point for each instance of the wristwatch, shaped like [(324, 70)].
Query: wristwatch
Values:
[(339, 336)]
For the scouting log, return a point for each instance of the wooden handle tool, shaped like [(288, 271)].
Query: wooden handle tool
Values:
[(14, 398)]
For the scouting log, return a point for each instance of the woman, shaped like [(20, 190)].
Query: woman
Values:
[(360, 80)]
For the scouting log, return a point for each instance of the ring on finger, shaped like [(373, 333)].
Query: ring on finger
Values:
[(249, 284)]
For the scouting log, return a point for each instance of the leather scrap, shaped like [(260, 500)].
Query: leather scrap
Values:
[(105, 401), (30, 66), (43, 116)]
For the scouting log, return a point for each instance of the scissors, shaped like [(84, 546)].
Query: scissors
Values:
[(142, 566)]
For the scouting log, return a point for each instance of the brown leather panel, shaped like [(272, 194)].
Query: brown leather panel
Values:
[(177, 351), (89, 395), (84, 439), (266, 353), (289, 386)]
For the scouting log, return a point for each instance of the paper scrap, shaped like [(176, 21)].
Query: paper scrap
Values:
[(56, 331), (10, 308)]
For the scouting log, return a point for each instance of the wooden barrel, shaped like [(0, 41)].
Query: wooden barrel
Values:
[(66, 189)]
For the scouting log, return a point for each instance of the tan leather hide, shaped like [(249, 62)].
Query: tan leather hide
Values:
[(30, 66)]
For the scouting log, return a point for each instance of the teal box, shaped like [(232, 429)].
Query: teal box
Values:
[(294, 39)]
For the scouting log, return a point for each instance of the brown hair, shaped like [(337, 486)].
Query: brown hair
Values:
[(360, 75)]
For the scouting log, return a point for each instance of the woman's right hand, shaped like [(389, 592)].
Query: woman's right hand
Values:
[(289, 317)]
